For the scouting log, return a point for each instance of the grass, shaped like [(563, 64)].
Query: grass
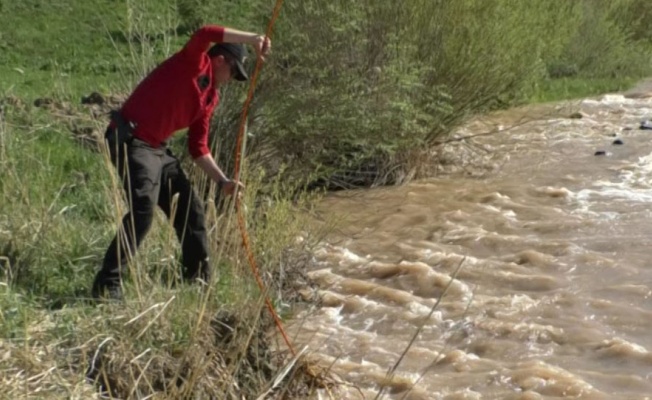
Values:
[(46, 53), (68, 48), (573, 88)]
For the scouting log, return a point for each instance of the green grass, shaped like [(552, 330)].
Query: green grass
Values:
[(572, 88), (58, 46), (69, 48)]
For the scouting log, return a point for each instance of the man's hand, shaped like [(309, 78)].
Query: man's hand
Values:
[(263, 46), (230, 187), (261, 43)]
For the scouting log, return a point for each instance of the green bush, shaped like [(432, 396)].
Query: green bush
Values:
[(603, 43), (635, 16)]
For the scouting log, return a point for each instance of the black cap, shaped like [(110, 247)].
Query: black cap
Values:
[(235, 51)]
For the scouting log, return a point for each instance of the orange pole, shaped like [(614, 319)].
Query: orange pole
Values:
[(238, 154)]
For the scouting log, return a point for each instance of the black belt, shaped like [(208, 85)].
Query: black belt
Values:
[(125, 129)]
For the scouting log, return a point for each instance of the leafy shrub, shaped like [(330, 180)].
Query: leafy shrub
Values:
[(602, 45)]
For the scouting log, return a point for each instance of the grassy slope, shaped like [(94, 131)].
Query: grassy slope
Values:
[(571, 88), (51, 47)]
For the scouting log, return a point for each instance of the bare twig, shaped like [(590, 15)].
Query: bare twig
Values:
[(392, 370), (438, 357)]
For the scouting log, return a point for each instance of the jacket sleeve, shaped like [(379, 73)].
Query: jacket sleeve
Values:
[(201, 39), (198, 136)]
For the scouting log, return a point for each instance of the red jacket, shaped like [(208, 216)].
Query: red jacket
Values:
[(178, 94)]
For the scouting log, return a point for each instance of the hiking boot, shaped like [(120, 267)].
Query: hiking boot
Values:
[(102, 291), (199, 274), (107, 293)]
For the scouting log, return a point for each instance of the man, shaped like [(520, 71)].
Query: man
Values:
[(180, 93)]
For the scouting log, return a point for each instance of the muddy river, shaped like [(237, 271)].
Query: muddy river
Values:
[(538, 250)]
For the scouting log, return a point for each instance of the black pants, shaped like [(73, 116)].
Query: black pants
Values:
[(151, 177)]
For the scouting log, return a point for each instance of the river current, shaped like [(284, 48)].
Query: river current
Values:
[(538, 234)]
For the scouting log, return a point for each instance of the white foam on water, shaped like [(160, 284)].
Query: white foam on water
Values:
[(621, 348), (334, 315), (610, 100), (616, 193), (421, 310), (327, 252), (634, 185)]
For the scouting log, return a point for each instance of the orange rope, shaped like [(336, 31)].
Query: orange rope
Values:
[(241, 219)]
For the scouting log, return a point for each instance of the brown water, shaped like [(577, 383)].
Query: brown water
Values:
[(553, 296)]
